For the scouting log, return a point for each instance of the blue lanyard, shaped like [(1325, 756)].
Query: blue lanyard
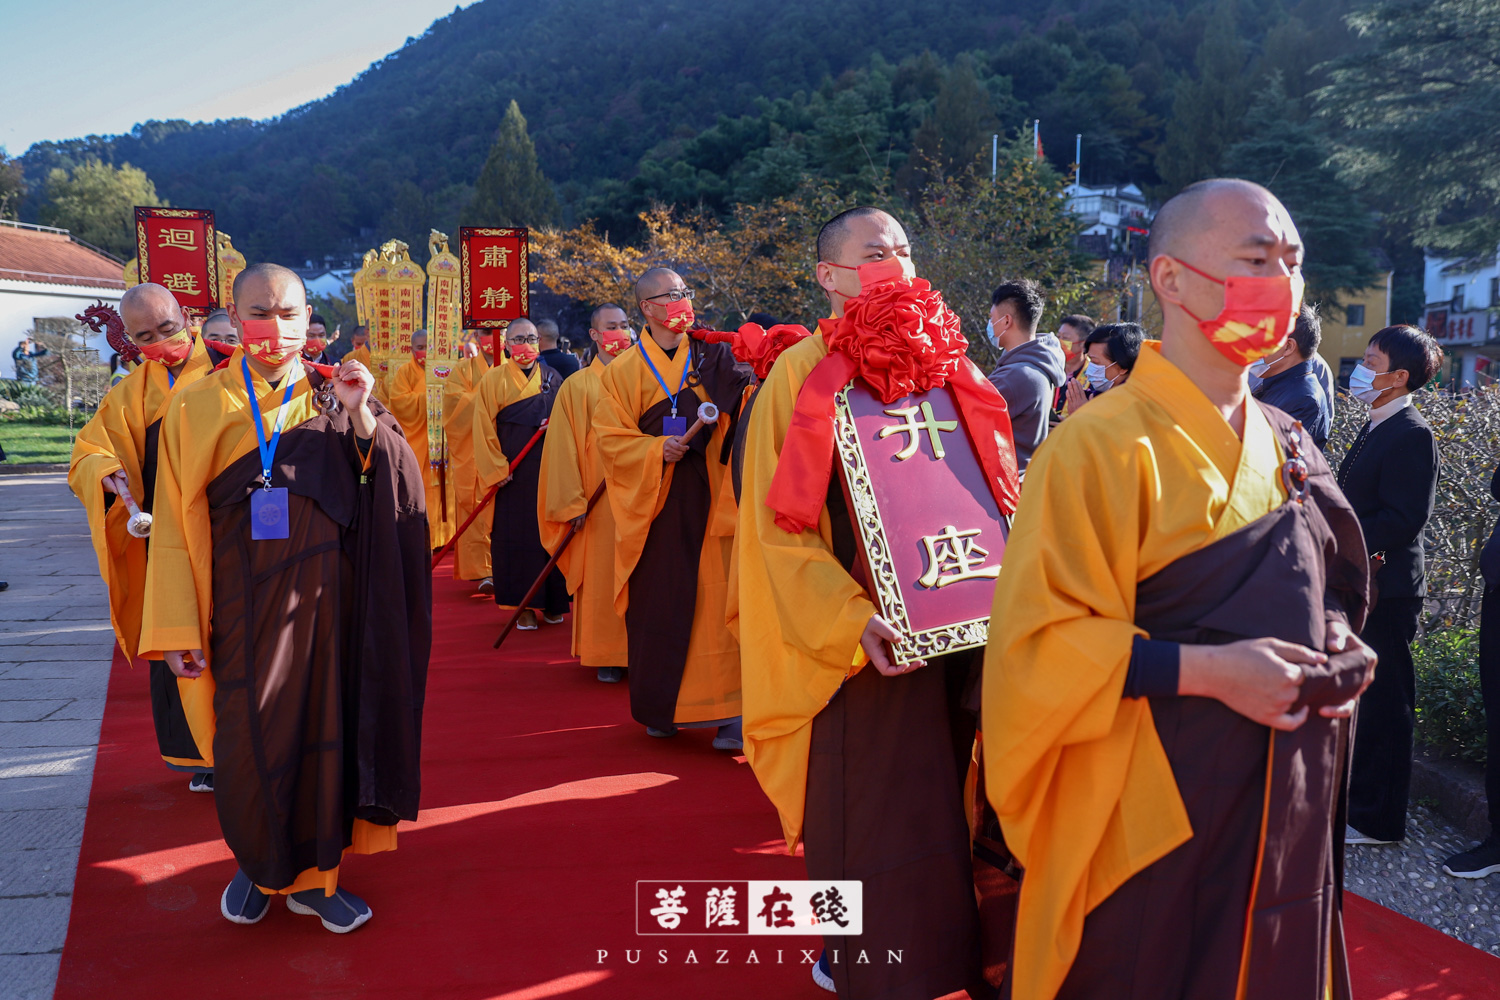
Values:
[(267, 448), (686, 370)]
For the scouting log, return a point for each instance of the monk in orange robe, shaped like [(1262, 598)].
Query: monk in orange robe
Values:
[(471, 553), (674, 515), (289, 579), (571, 471), (118, 449), (408, 402)]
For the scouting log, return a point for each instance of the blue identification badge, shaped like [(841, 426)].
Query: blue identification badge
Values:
[(270, 512), (673, 426)]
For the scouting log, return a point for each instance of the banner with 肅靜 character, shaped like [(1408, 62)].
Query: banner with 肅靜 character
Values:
[(931, 533), (177, 248), (495, 278)]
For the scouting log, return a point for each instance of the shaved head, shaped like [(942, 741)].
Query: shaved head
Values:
[(837, 230), (1190, 212), (419, 340), (150, 312), (656, 281), (272, 276), (522, 327), (599, 316)]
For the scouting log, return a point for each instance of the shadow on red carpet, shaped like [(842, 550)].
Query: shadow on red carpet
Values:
[(543, 803)]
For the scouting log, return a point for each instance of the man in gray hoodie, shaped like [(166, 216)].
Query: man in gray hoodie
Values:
[(1031, 367)]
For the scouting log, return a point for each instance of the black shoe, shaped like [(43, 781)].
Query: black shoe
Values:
[(242, 902), (1477, 863), (610, 675), (661, 734), (202, 782)]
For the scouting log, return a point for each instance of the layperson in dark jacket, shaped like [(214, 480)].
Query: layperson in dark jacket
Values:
[(1390, 478), (1289, 381)]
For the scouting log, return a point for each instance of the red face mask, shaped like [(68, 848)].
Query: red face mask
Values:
[(418, 356), (272, 341), (1258, 315), (524, 354), (679, 318), (613, 342), (172, 351), (878, 272)]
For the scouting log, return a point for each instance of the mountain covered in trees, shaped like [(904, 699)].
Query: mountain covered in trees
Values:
[(714, 103)]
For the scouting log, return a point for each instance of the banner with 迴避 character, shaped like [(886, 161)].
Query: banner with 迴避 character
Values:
[(177, 248), (931, 534), (495, 278), (443, 350)]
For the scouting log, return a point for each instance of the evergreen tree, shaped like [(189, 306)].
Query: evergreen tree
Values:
[(12, 186), (1207, 111), (1291, 156), (512, 190), (1422, 111), (96, 202)]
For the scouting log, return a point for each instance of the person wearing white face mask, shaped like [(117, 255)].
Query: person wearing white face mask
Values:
[(1288, 381), (1111, 350), (1390, 478)]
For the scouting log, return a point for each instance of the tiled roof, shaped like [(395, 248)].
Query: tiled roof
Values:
[(33, 254)]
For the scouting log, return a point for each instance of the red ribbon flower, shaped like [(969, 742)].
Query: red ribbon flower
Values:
[(902, 337)]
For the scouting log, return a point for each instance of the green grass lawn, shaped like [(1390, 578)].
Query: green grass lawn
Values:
[(27, 444)]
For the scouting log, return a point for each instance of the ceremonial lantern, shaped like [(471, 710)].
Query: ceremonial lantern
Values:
[(443, 345), (379, 312), (231, 263), (361, 308), (177, 248)]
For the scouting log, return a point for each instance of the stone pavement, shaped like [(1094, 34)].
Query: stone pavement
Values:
[(55, 649)]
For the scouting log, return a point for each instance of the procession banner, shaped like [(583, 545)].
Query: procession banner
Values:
[(496, 276), (177, 248), (930, 532)]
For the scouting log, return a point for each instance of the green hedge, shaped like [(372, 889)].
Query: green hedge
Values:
[(1450, 712)]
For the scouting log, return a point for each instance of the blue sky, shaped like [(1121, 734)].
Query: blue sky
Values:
[(101, 66)]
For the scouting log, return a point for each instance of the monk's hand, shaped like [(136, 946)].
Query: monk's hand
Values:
[(673, 449), (578, 521), (114, 481), (187, 663), (1258, 678), (877, 633), (1342, 639), (352, 384), (471, 350)]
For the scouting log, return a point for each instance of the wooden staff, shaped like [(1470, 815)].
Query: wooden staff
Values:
[(551, 565), (487, 497)]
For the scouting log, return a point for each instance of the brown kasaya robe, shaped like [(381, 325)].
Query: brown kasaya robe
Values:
[(1266, 807)]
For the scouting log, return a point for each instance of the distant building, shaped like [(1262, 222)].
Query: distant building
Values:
[(1463, 313), (1116, 220), (328, 282), (48, 276)]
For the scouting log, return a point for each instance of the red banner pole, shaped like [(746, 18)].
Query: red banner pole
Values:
[(487, 498)]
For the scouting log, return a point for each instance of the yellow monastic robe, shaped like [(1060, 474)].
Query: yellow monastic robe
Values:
[(364, 357), (1139, 478), (499, 388), (639, 479), (115, 439), (471, 554), (800, 613), (571, 471), (408, 403), (209, 429)]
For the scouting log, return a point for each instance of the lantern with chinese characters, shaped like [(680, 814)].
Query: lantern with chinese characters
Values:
[(443, 346), (231, 263)]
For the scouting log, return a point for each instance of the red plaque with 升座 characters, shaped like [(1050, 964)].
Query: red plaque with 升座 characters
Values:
[(930, 531), (176, 249), (494, 276)]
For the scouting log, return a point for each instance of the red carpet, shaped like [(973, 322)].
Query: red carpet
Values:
[(543, 804)]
